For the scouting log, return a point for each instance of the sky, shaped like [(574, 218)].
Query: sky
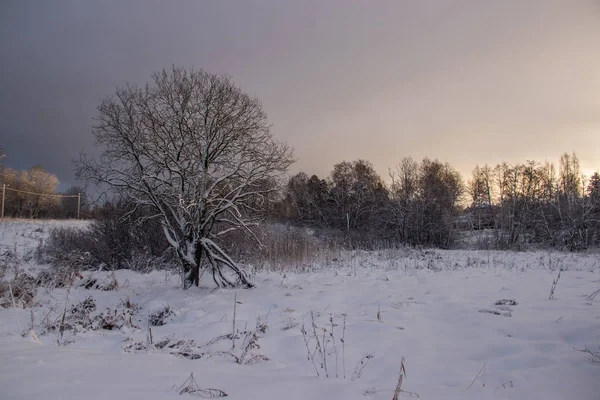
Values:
[(464, 81)]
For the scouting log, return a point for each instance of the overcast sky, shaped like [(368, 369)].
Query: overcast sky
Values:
[(464, 81)]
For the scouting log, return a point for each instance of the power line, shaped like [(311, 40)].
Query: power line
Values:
[(5, 188), (41, 194)]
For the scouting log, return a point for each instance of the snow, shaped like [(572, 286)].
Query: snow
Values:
[(24, 235), (433, 312)]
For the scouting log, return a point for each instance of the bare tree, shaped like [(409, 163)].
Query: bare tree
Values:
[(358, 193), (403, 204), (37, 180), (197, 151), (440, 191), (307, 198)]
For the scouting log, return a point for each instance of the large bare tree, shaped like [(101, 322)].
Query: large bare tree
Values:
[(198, 152)]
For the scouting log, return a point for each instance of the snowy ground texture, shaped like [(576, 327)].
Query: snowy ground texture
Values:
[(437, 309)]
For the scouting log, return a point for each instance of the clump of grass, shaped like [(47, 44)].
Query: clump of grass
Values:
[(322, 348)]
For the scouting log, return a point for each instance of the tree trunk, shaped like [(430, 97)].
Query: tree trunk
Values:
[(219, 263), (191, 272)]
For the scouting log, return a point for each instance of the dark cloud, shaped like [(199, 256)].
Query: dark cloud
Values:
[(461, 80)]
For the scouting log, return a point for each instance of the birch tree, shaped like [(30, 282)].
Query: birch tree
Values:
[(196, 150)]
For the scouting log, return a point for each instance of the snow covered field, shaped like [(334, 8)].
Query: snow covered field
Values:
[(437, 309), (23, 236)]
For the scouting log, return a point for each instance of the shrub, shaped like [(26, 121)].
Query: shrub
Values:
[(19, 291), (160, 316), (111, 242)]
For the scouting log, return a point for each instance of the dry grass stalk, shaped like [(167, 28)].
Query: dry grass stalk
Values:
[(361, 365), (318, 339), (234, 310), (332, 335), (479, 373), (61, 329), (191, 386), (554, 283), (594, 355), (593, 295), (505, 385), (401, 378), (343, 339)]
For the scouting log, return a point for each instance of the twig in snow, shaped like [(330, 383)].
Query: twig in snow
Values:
[(401, 378), (325, 353), (343, 339), (318, 348), (479, 373), (505, 385), (593, 295), (595, 355), (334, 345), (234, 309), (191, 386), (306, 342), (61, 329), (361, 365), (554, 283)]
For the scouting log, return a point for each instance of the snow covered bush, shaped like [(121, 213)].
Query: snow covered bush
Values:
[(161, 316), (84, 316), (110, 242), (18, 291)]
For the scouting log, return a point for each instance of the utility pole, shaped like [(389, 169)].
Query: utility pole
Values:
[(78, 204), (3, 195)]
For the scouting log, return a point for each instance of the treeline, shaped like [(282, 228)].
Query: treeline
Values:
[(427, 203), (33, 193), (424, 203), (537, 203), (419, 207)]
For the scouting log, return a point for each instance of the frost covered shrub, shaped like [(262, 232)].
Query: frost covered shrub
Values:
[(16, 287), (58, 277), (84, 316), (111, 242), (105, 285), (283, 246), (19, 291), (8, 262), (160, 316)]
